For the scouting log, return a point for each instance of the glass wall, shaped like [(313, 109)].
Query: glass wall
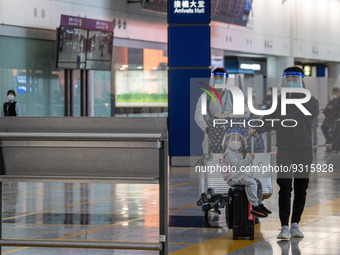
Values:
[(27, 66), (100, 89), (137, 85), (141, 82)]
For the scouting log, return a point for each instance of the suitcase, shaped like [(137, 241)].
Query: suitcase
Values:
[(238, 216)]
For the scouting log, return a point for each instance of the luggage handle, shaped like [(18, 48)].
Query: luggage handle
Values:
[(252, 144), (252, 149)]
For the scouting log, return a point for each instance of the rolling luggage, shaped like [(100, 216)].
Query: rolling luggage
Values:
[(238, 216)]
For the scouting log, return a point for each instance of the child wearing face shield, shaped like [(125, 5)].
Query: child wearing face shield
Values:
[(11, 107), (235, 155)]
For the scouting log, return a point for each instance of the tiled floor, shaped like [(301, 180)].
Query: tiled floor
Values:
[(129, 212)]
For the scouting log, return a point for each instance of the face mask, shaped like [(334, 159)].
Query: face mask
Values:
[(334, 97), (218, 82), (10, 97), (292, 84), (235, 145)]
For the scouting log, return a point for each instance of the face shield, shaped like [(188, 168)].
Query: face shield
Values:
[(234, 140), (218, 80), (292, 79)]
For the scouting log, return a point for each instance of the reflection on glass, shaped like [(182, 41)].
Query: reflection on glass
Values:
[(141, 82), (141, 89), (71, 48)]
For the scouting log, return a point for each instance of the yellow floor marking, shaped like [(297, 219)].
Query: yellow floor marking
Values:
[(182, 208), (57, 208), (95, 229), (89, 202), (182, 184), (267, 229), (89, 240), (223, 244), (79, 233)]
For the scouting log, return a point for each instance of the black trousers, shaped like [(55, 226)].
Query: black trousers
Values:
[(336, 136), (326, 130), (288, 180)]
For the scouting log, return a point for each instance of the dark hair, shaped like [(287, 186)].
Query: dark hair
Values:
[(294, 69), (220, 69), (335, 90), (10, 91)]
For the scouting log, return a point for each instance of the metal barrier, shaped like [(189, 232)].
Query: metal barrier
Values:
[(111, 153)]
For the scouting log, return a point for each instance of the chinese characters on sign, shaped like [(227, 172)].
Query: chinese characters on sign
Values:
[(189, 6), (102, 25), (74, 21), (84, 23)]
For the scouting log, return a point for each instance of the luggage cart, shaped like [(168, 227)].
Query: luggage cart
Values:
[(214, 190)]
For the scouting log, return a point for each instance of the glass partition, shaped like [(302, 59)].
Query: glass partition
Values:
[(136, 86)]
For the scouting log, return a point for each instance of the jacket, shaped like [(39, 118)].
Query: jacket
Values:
[(234, 158), (296, 137)]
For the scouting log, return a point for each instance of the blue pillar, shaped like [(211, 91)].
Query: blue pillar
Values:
[(189, 57)]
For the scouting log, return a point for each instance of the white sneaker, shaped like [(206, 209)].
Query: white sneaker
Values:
[(284, 234), (295, 231)]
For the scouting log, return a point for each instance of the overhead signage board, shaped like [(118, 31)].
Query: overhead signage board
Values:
[(84, 23), (84, 43), (189, 11)]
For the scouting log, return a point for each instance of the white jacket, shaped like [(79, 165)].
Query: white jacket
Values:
[(234, 158)]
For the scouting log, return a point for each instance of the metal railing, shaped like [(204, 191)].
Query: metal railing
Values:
[(128, 141)]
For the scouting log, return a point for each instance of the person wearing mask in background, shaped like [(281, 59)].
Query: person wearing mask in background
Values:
[(294, 148), (328, 124), (219, 78), (336, 114), (11, 107)]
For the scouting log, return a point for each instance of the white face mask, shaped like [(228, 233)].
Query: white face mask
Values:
[(334, 97), (235, 145), (10, 97)]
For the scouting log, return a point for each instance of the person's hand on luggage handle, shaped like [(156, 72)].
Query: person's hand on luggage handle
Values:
[(252, 155), (252, 132)]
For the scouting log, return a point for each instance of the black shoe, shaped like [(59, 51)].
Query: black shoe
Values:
[(258, 212), (265, 209)]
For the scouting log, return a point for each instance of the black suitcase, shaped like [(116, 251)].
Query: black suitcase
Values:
[(238, 216)]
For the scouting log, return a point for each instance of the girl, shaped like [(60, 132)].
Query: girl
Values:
[(235, 154)]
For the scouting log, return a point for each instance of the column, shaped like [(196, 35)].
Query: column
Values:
[(189, 57)]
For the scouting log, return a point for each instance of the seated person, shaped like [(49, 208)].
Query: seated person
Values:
[(234, 146)]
